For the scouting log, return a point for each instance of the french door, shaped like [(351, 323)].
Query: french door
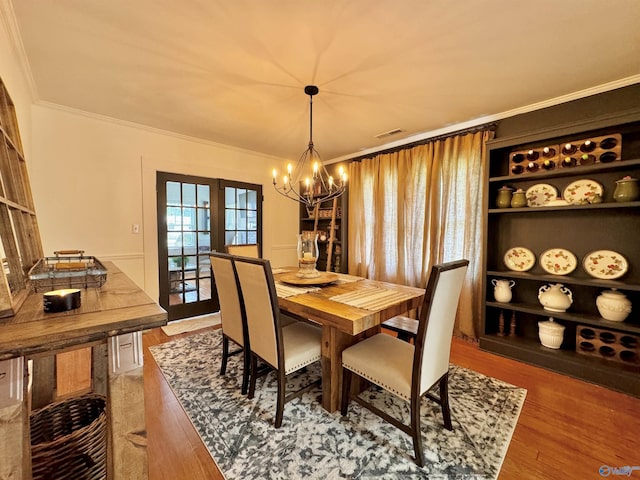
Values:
[(195, 216)]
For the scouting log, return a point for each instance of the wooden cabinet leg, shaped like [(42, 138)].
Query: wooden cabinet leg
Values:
[(15, 444)]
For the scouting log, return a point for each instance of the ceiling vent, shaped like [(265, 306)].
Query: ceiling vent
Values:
[(395, 131)]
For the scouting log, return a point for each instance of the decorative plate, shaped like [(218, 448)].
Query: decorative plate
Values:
[(605, 264), (519, 259), (558, 261), (540, 194), (581, 191)]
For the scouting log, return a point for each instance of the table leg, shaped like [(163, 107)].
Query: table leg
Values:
[(333, 343)]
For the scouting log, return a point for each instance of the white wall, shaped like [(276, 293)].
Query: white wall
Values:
[(93, 178)]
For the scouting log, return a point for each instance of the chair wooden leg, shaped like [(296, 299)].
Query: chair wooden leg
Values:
[(346, 387), (415, 431), (444, 401), (246, 366), (253, 374), (225, 354), (282, 383)]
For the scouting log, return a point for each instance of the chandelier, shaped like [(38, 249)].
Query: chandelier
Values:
[(309, 182)]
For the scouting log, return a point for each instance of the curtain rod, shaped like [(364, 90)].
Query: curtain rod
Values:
[(477, 128)]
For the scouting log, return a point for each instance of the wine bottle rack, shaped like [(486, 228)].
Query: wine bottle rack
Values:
[(621, 347), (603, 149)]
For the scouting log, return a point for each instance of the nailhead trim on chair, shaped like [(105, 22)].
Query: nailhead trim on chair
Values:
[(377, 382), (301, 365)]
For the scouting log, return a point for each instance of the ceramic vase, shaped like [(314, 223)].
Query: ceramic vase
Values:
[(550, 333), (502, 290), (518, 199), (613, 305), (627, 190), (503, 200), (555, 298)]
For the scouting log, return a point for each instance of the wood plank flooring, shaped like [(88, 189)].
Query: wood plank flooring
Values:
[(567, 429)]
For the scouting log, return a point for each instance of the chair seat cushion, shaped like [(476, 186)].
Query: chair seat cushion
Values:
[(383, 360), (301, 345)]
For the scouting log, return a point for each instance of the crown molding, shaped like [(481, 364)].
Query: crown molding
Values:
[(624, 82)]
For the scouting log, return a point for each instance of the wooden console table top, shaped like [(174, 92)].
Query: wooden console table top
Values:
[(118, 307)]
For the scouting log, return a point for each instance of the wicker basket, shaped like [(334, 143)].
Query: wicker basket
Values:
[(69, 441)]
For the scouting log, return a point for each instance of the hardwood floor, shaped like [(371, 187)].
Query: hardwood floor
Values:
[(567, 428)]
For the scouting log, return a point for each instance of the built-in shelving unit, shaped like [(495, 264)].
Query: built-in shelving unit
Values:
[(581, 229), (329, 220)]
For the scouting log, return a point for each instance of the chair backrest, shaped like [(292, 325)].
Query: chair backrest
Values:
[(437, 317), (261, 307), (230, 297), (249, 250)]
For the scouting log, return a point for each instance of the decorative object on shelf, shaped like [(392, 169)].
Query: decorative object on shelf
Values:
[(541, 194), (501, 324), (551, 334), (518, 199), (512, 327), (558, 261), (613, 305), (503, 200), (502, 290), (608, 344), (519, 259), (555, 297), (582, 191), (319, 185), (627, 189), (605, 264), (61, 300), (307, 255)]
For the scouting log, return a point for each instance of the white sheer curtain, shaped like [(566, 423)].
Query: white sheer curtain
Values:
[(417, 207)]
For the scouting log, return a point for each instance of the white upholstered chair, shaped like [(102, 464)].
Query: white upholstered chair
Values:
[(409, 371), (249, 250), (285, 349), (234, 325)]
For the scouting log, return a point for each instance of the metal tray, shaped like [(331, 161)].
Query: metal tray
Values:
[(68, 269)]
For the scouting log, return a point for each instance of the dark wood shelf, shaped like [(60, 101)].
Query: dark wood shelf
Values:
[(579, 318), (591, 206), (617, 376), (566, 279), (568, 172)]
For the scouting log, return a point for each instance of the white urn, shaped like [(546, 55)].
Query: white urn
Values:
[(502, 290), (613, 305), (551, 334), (555, 297)]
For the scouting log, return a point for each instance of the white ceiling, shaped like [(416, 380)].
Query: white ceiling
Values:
[(233, 71)]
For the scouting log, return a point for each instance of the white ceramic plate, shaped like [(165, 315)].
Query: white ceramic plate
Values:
[(558, 261), (540, 194), (519, 259), (581, 191), (605, 264)]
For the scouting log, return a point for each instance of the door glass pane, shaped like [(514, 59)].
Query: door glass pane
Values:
[(173, 193), (189, 219), (241, 214), (188, 195)]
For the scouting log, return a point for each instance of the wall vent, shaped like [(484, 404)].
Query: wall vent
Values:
[(389, 133)]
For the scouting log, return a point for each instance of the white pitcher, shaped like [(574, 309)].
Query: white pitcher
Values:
[(502, 290)]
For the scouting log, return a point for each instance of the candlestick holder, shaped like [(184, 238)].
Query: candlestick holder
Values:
[(307, 255)]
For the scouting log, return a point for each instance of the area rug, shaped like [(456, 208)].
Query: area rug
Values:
[(191, 324), (315, 444)]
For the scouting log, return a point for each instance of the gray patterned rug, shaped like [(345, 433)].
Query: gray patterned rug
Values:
[(315, 444)]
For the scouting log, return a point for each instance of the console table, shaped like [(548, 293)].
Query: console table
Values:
[(110, 320)]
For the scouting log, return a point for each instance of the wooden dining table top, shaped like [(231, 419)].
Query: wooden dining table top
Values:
[(318, 305)]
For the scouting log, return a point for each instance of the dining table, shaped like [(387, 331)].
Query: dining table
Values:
[(348, 308)]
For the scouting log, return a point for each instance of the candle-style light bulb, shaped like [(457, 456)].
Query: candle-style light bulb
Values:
[(275, 174), (289, 169), (330, 183), (285, 180)]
